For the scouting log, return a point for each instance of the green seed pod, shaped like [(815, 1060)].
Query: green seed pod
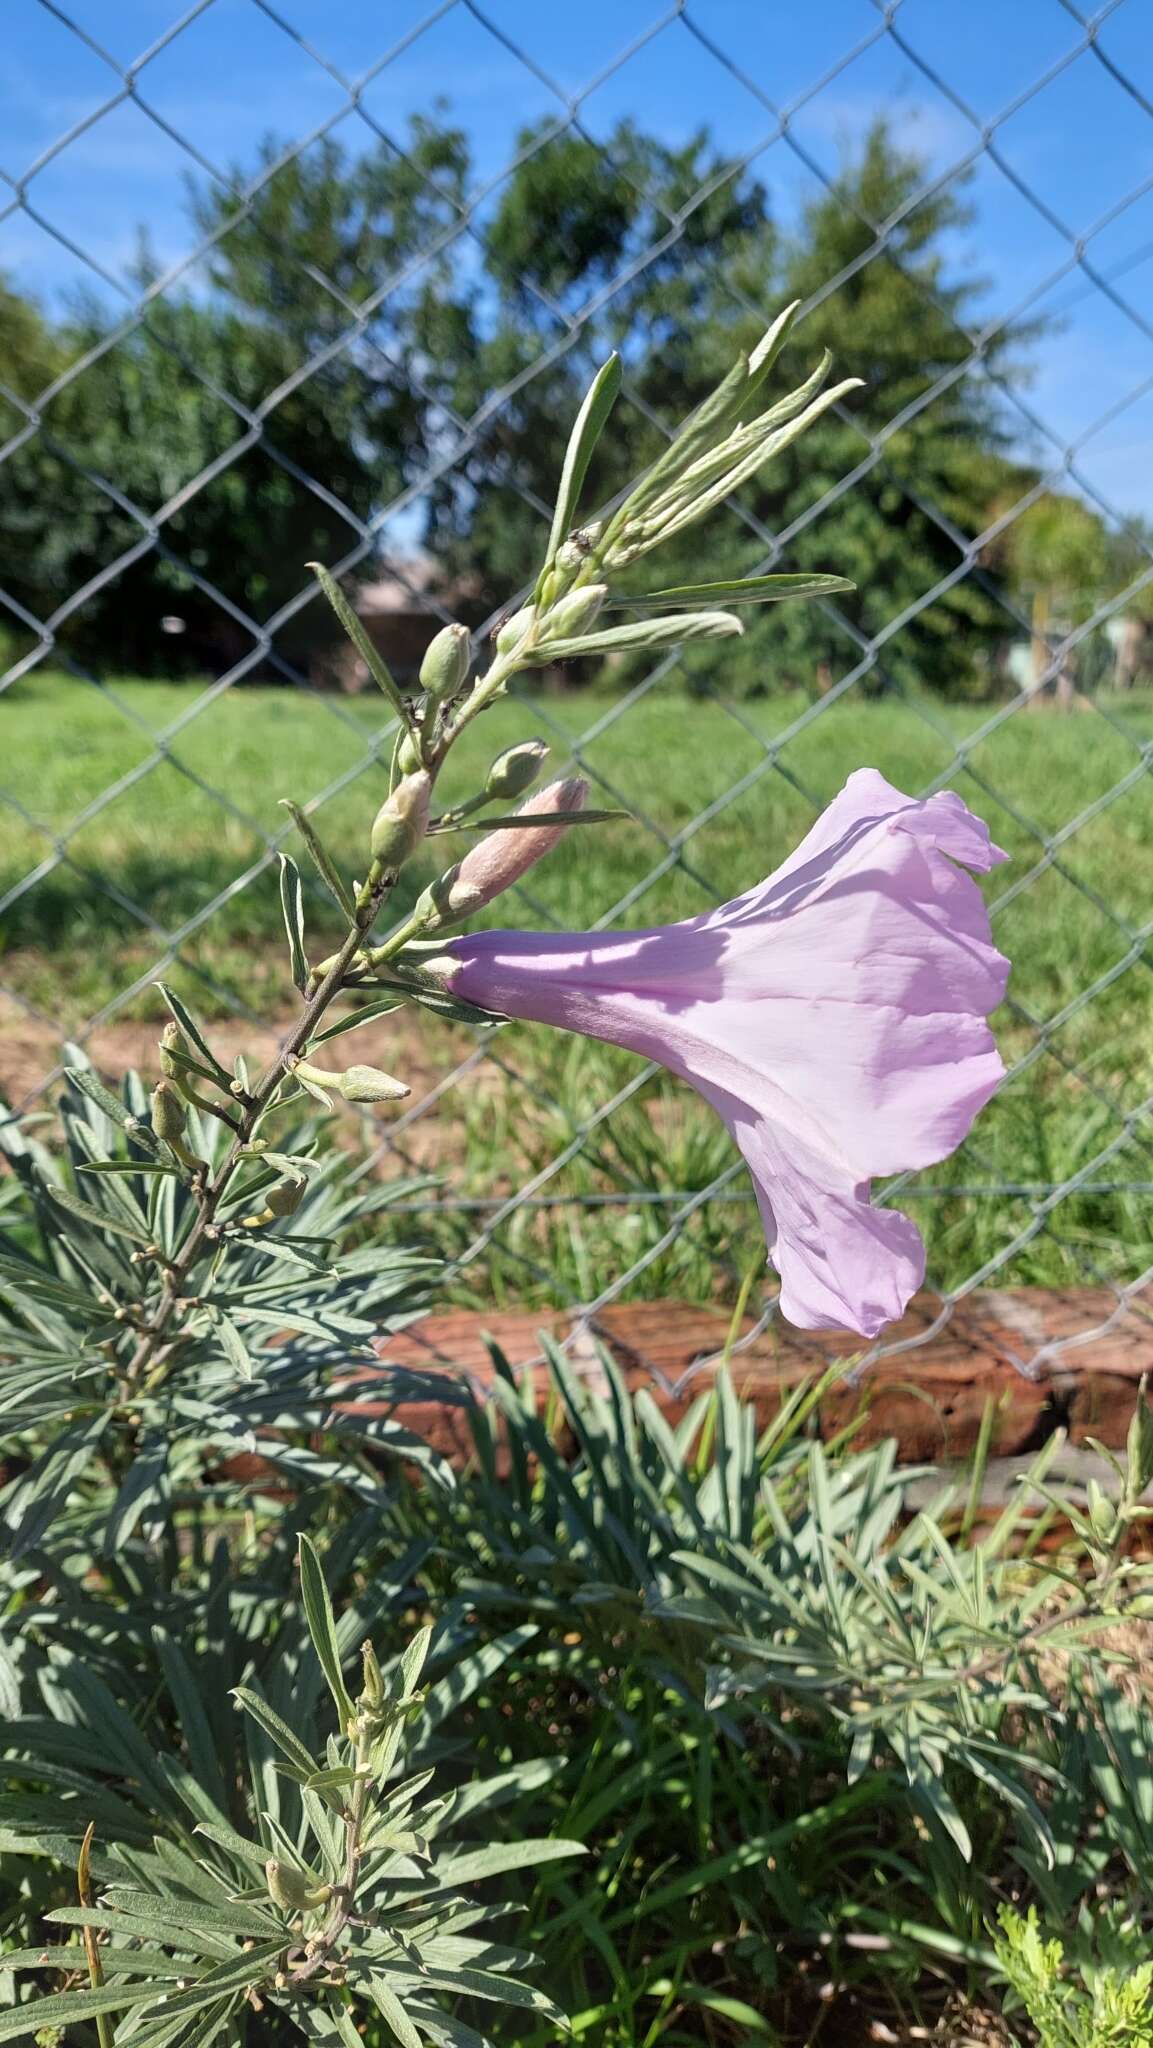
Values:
[(401, 820), (169, 1115), (446, 664), (285, 1196), (290, 1889), (513, 631), (575, 613), (369, 1084), (516, 770)]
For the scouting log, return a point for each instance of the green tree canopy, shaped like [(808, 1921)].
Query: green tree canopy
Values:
[(363, 334)]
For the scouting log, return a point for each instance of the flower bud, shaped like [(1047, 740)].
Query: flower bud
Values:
[(1102, 1513), (513, 631), (495, 863), (291, 1889), (575, 613), (401, 820), (446, 664), (355, 1084), (408, 756), (284, 1198), (370, 1084), (373, 1694), (169, 1115), (516, 770), (172, 1040)]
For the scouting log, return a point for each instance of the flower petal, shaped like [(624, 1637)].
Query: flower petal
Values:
[(844, 1265), (834, 1016)]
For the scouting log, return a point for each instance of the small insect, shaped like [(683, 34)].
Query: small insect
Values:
[(497, 628)]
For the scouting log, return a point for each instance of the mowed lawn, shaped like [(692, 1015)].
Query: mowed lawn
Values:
[(195, 807)]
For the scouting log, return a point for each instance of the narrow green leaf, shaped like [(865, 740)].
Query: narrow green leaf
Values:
[(473, 1671), (322, 860), (63, 1198), (68, 2008), (322, 1628), (741, 590), (332, 1780), (697, 508), (153, 1166), (249, 1852), (234, 1347), (373, 660), (702, 430), (145, 1484), (351, 1022), (446, 2030), (680, 629), (768, 348), (33, 1502), (393, 2013), (292, 907), (193, 1719), (180, 1916), (327, 2024), (518, 822), (472, 1865), (188, 1024), (437, 999), (87, 1082), (413, 1660), (273, 1726), (195, 2031), (246, 1971), (588, 427)]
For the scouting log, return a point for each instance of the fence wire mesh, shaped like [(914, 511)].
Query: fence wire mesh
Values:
[(1085, 1201)]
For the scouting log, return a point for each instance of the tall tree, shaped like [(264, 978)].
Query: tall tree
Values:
[(674, 284), (873, 254), (260, 425), (591, 247), (365, 334)]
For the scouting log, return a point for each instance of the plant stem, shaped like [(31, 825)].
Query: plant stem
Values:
[(344, 1894), (146, 1369), (137, 1376)]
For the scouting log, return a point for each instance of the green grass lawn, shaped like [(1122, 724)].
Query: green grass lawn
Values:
[(166, 844)]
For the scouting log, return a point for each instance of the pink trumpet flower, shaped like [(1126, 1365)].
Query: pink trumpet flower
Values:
[(834, 1016)]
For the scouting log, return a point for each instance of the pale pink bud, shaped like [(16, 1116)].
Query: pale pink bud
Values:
[(401, 821), (495, 863)]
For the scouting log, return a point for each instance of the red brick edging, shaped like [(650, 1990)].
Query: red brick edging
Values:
[(1047, 1358)]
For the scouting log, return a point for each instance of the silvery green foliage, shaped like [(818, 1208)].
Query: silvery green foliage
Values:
[(243, 1868), (706, 1589), (177, 1289), (86, 1239), (754, 1571)]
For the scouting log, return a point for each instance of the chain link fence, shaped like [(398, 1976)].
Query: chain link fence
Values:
[(1087, 1201)]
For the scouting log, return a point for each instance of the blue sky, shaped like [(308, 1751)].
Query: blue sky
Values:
[(1082, 144)]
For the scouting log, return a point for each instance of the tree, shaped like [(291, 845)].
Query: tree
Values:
[(31, 355), (265, 423), (348, 308), (1058, 555), (613, 229), (580, 225), (893, 318)]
